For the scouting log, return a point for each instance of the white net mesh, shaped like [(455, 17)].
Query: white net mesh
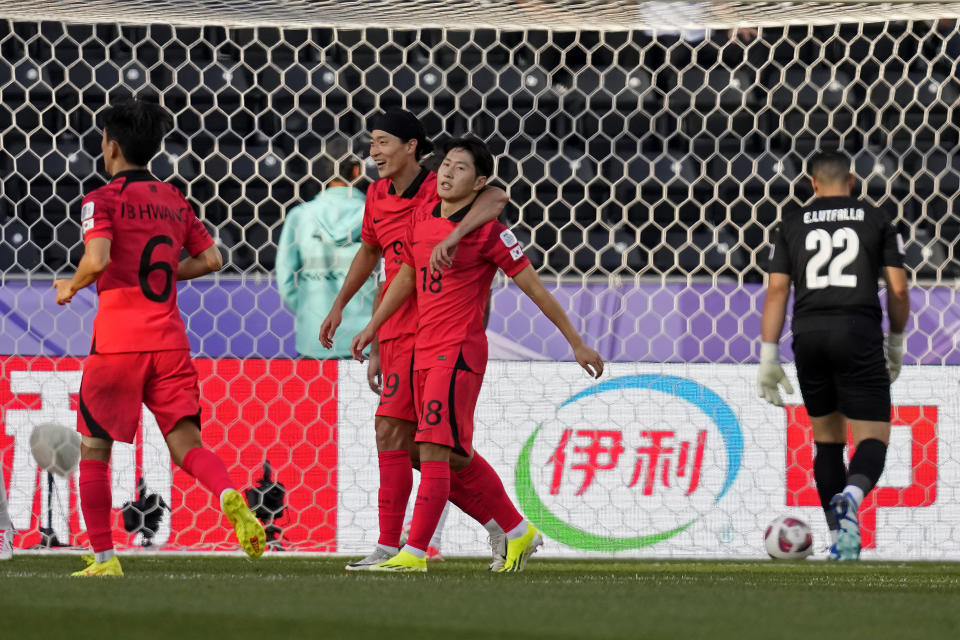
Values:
[(575, 15), (644, 168)]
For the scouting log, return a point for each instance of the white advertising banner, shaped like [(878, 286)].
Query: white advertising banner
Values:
[(670, 460)]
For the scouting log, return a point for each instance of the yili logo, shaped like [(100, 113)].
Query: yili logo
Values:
[(629, 462)]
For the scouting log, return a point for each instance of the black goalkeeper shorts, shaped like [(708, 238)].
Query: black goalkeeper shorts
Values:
[(843, 368)]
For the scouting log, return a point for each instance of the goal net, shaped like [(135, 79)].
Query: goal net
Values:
[(647, 149)]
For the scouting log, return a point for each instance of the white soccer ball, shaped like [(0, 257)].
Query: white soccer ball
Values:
[(55, 448), (787, 538)]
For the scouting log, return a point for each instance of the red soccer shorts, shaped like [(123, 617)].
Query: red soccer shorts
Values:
[(115, 385), (396, 365), (446, 399)]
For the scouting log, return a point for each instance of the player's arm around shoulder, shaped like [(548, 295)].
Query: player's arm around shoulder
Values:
[(530, 283), (486, 208)]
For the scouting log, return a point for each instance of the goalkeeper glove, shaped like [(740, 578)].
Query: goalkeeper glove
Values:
[(771, 375), (893, 348)]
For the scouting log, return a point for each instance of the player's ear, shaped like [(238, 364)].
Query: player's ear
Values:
[(813, 183), (479, 183)]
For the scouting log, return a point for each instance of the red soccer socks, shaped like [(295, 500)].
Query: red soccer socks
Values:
[(396, 482), (431, 499), (208, 469), (95, 502), (479, 478), (468, 501)]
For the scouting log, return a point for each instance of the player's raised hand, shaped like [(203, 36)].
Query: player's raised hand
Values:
[(329, 327), (360, 342), (771, 377), (442, 255), (64, 290), (590, 360)]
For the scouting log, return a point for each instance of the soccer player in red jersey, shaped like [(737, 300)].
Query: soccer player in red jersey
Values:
[(397, 142), (134, 228), (451, 349)]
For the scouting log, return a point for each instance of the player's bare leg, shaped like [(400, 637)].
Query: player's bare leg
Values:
[(188, 453), (95, 502)]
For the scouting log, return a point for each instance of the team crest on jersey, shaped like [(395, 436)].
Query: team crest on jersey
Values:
[(86, 212), (517, 252), (507, 238)]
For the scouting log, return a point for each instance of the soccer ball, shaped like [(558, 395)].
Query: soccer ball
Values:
[(788, 539), (55, 448)]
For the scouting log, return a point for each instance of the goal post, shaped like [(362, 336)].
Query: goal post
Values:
[(648, 149)]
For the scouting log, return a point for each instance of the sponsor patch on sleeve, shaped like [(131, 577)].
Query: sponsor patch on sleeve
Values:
[(900, 246), (517, 252), (87, 225), (507, 238), (86, 212)]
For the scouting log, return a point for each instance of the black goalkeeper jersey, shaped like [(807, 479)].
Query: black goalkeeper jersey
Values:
[(833, 250)]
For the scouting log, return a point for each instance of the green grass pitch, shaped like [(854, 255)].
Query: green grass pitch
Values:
[(184, 597)]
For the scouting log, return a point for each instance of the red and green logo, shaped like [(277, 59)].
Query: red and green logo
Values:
[(629, 462)]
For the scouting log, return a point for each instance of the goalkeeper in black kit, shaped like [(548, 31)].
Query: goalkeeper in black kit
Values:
[(833, 251)]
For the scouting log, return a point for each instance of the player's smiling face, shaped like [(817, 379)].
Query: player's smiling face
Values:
[(457, 176), (391, 154)]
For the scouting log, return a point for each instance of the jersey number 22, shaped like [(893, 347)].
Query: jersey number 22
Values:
[(820, 241)]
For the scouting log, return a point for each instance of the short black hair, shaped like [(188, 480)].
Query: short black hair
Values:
[(404, 125), (482, 158), (829, 166), (138, 126)]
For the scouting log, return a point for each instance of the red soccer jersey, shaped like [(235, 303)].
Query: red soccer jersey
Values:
[(148, 223), (450, 305), (386, 219)]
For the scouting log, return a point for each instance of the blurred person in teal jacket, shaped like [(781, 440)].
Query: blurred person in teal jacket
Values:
[(317, 244)]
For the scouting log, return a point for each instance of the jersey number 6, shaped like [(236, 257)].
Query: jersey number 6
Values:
[(147, 267), (819, 240)]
